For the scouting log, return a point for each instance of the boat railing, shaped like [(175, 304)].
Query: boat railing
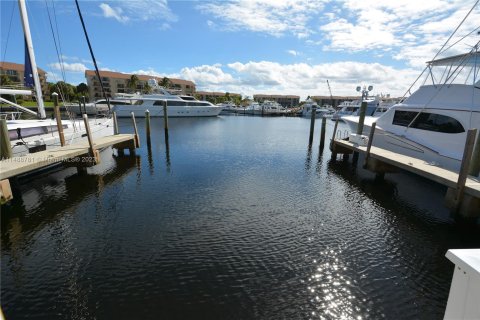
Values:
[(14, 115)]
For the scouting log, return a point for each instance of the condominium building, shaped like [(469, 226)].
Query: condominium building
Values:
[(284, 100), (15, 72), (212, 95), (117, 82), (333, 101)]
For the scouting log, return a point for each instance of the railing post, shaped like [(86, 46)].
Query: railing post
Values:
[(5, 145), (58, 117)]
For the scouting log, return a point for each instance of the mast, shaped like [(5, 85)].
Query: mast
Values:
[(28, 40)]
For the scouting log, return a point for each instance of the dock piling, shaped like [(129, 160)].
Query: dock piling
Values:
[(137, 138), (463, 174), (322, 133), (312, 126), (369, 145), (84, 105), (361, 121), (165, 118), (94, 154), (474, 169), (115, 123), (58, 117), (5, 145), (5, 191), (332, 141), (147, 125)]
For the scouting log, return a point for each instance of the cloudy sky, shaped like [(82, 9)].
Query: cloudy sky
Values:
[(247, 47)]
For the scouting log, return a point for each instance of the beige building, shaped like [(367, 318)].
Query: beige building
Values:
[(15, 72), (284, 100), (116, 82), (327, 100), (212, 96)]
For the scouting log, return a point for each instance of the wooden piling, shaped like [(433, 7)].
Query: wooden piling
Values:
[(322, 133), (147, 125), (370, 141), (137, 138), (334, 134), (94, 154), (84, 105), (312, 125), (58, 117), (115, 123), (361, 121), (5, 192), (165, 118), (474, 169), (463, 174), (5, 145)]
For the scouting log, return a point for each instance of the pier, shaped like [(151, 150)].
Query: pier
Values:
[(463, 195)]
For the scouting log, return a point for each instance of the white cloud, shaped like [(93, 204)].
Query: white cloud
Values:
[(293, 52), (136, 10), (273, 17), (68, 67), (116, 13)]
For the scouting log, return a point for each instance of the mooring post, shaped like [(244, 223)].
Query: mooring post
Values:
[(312, 125), (369, 145), (115, 123), (463, 174), (165, 118), (137, 138), (84, 105), (474, 169), (322, 133), (361, 121), (5, 145), (332, 141), (58, 117), (147, 124), (93, 152)]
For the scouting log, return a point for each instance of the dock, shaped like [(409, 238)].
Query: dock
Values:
[(383, 161)]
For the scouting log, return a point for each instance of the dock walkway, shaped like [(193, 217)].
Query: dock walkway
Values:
[(417, 166), (74, 154)]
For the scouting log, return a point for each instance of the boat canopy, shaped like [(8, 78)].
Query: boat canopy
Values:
[(470, 59)]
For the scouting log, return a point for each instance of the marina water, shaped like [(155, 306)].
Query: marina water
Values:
[(235, 219)]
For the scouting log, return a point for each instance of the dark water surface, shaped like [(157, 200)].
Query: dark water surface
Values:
[(237, 220)]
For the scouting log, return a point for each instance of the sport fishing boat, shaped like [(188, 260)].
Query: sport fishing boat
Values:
[(271, 108), (432, 123), (33, 135), (177, 105)]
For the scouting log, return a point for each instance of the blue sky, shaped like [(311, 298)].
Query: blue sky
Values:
[(255, 46)]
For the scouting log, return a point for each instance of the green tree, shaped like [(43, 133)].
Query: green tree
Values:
[(133, 82), (147, 88), (5, 80), (166, 83)]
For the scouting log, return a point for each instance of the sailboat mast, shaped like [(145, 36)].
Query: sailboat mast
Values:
[(28, 39)]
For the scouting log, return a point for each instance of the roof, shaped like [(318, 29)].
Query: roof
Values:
[(214, 93), (119, 75), (16, 66), (471, 58), (275, 96)]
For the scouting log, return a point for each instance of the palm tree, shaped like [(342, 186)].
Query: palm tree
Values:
[(165, 83), (133, 82)]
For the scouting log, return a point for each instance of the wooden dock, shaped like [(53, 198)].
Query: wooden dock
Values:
[(71, 155), (463, 194)]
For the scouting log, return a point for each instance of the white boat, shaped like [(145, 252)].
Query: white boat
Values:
[(253, 108), (319, 111), (177, 106), (227, 107), (432, 123), (348, 108), (271, 108), (29, 136)]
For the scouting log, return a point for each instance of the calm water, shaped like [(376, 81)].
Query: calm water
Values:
[(236, 220)]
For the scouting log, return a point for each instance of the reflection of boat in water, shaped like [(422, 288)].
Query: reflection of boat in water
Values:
[(177, 106), (432, 123)]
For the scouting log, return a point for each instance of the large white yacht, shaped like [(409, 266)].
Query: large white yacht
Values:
[(177, 105), (432, 123), (348, 108)]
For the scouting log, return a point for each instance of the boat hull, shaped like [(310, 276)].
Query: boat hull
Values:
[(124, 111)]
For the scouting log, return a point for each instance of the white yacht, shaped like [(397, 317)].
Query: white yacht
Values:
[(29, 136), (271, 108), (308, 106), (227, 107), (348, 108), (177, 105), (432, 123), (253, 108)]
